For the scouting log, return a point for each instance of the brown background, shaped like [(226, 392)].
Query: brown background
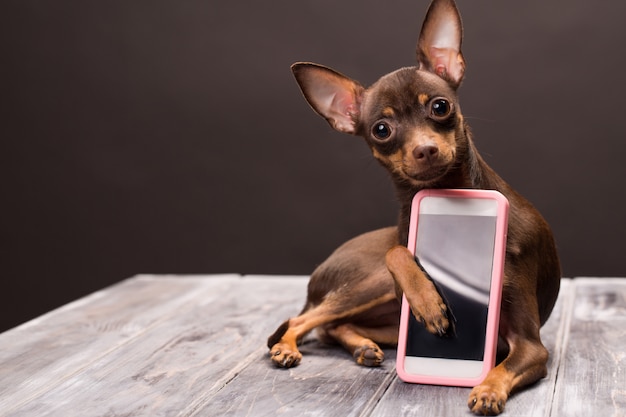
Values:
[(169, 136)]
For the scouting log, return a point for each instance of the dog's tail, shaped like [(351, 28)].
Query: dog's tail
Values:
[(278, 334)]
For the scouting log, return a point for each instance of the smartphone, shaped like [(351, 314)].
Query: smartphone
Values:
[(459, 238)]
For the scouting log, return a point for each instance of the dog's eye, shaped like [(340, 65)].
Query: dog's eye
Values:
[(381, 131), (440, 108)]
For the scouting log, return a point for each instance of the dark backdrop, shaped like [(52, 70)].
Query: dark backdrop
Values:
[(169, 136)]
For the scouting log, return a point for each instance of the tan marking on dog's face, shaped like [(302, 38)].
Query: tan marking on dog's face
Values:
[(403, 162), (423, 99), (393, 161), (388, 112)]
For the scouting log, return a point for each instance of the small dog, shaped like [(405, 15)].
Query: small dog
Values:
[(412, 122)]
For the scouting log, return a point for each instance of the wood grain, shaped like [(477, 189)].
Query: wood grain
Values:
[(188, 353), (592, 377), (195, 346), (327, 382), (66, 341)]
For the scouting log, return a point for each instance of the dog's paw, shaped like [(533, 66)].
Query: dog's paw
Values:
[(433, 313), (487, 400), (369, 355), (284, 356)]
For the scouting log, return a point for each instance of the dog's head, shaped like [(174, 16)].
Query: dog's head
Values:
[(410, 118)]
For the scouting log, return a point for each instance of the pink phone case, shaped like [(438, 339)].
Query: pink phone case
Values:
[(493, 315)]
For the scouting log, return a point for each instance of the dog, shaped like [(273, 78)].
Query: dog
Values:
[(412, 122)]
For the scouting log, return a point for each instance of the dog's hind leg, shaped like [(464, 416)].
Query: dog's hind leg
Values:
[(283, 343), (352, 286), (361, 341)]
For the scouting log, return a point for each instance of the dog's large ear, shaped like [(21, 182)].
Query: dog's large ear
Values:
[(439, 45), (332, 95)]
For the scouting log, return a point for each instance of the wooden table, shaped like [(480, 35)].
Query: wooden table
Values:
[(195, 346)]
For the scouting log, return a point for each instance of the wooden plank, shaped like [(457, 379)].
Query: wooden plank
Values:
[(404, 399), (52, 348), (592, 378), (188, 346), (327, 382), (182, 359)]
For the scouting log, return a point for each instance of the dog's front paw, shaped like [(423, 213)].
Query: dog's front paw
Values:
[(369, 355), (285, 356), (422, 295), (432, 312), (429, 309), (487, 400)]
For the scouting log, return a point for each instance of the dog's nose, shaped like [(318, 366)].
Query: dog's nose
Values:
[(425, 153)]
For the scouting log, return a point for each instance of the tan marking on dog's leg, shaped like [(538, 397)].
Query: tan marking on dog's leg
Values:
[(426, 303), (525, 364), (359, 341), (387, 335), (285, 352)]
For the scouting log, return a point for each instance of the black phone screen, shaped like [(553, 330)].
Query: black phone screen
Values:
[(457, 253)]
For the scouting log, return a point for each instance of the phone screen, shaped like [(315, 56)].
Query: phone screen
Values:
[(456, 250)]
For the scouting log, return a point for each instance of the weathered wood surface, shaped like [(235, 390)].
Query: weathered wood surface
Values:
[(592, 374), (195, 346)]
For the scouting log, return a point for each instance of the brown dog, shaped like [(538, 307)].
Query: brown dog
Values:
[(413, 124)]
